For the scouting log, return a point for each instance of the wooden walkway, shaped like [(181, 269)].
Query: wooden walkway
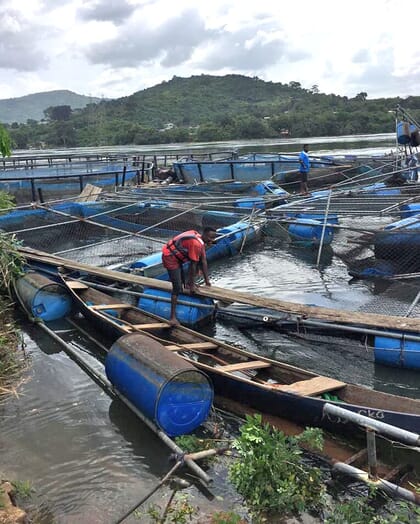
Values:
[(227, 295)]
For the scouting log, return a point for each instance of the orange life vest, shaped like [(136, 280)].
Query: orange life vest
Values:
[(175, 247)]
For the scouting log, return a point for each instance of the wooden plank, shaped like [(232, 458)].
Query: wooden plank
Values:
[(313, 386), (358, 459), (74, 284), (110, 306), (90, 193), (253, 364), (396, 473), (195, 345), (228, 295), (152, 325)]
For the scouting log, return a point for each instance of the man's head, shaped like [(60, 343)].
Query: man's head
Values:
[(209, 235), (306, 148)]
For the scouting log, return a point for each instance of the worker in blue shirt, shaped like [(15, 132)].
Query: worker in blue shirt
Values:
[(304, 166)]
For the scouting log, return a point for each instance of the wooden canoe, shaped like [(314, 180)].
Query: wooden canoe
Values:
[(264, 384)]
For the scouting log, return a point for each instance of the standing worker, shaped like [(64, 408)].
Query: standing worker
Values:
[(304, 169), (190, 247)]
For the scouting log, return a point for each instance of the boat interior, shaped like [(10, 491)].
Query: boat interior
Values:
[(216, 356)]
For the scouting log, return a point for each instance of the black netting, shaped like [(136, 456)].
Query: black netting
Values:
[(105, 233)]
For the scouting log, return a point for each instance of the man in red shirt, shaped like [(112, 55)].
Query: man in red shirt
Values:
[(190, 247)]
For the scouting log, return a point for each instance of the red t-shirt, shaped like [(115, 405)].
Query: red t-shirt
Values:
[(194, 247)]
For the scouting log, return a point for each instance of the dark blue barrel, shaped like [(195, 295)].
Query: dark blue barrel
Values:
[(151, 265), (409, 210), (331, 219), (403, 133), (381, 189), (309, 232), (167, 389), (250, 203), (42, 298), (397, 352), (190, 310)]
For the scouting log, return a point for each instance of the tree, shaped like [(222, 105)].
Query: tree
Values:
[(58, 112), (361, 96), (5, 142), (295, 85)]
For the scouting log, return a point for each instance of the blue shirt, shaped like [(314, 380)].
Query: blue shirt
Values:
[(304, 162)]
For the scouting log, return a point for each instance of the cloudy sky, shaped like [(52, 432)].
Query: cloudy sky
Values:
[(112, 48)]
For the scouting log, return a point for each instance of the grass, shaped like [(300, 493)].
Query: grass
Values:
[(22, 489), (12, 358)]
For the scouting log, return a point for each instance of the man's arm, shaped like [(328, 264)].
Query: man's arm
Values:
[(205, 270)]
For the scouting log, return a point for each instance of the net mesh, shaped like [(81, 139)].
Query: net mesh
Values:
[(105, 233)]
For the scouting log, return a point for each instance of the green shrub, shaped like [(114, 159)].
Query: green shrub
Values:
[(269, 474)]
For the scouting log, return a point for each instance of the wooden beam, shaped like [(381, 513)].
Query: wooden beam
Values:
[(110, 306), (153, 325), (228, 295), (74, 284), (194, 345), (254, 364)]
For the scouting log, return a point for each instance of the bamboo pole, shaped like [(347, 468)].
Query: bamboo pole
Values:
[(324, 225), (104, 383)]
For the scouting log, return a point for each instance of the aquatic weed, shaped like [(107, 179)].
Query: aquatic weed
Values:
[(22, 488)]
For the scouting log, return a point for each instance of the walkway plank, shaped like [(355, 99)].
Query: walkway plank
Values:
[(228, 295)]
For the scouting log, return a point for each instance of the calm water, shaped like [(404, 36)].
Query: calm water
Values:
[(338, 145), (276, 269), (90, 459)]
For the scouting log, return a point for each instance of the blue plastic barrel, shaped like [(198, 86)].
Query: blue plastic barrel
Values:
[(250, 203), (403, 133), (396, 352), (406, 223), (380, 188), (323, 193), (167, 389), (331, 219), (151, 260), (309, 232), (409, 210), (268, 187), (42, 298), (198, 309)]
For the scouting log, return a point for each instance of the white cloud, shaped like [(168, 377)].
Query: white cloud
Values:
[(116, 47)]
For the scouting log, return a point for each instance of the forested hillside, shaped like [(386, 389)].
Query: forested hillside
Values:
[(206, 108), (31, 107)]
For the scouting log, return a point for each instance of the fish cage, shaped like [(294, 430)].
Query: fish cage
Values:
[(108, 233), (70, 179)]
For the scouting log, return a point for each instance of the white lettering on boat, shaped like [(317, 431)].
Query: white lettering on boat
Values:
[(372, 413)]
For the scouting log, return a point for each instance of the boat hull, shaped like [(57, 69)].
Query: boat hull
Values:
[(303, 410)]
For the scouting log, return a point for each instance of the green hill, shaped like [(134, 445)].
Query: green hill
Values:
[(208, 108), (32, 106)]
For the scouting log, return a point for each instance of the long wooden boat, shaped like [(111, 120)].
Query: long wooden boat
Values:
[(264, 384)]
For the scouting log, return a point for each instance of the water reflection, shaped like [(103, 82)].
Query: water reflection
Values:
[(79, 454), (276, 269)]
